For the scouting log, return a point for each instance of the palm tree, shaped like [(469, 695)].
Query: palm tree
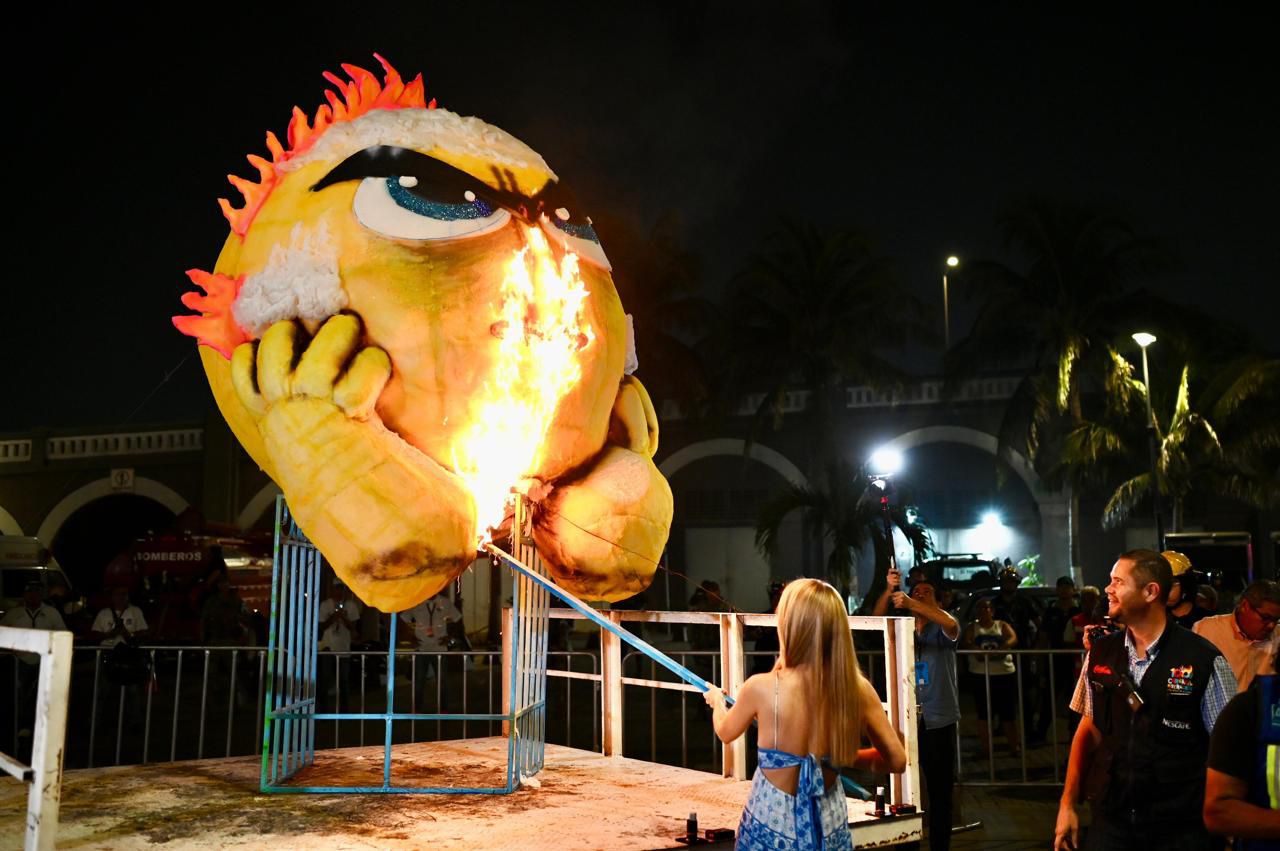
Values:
[(1223, 444), (847, 516), (813, 312), (1053, 321)]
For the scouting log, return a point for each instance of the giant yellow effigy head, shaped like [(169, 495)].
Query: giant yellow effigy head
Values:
[(409, 319)]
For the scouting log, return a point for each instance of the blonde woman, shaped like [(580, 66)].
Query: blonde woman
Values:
[(813, 708)]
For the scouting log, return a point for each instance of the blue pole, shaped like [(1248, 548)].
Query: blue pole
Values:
[(604, 623), (640, 644), (391, 702)]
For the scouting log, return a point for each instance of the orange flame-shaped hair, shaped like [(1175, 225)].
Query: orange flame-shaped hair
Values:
[(358, 96), (216, 326)]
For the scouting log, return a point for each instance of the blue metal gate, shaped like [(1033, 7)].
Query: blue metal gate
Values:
[(289, 728)]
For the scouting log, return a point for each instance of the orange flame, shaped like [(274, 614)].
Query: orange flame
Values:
[(543, 332), (359, 96)]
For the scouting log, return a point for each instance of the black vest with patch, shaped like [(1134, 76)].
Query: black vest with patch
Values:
[(1150, 766)]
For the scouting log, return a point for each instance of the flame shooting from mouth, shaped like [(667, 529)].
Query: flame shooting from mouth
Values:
[(542, 335)]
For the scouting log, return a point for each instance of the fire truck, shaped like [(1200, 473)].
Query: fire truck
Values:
[(171, 575)]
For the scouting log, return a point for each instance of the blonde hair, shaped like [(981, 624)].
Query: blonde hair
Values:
[(813, 628)]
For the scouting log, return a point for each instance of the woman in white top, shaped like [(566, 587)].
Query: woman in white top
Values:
[(813, 708), (987, 633)]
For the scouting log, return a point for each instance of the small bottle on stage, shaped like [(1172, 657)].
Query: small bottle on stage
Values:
[(691, 827), (879, 810)]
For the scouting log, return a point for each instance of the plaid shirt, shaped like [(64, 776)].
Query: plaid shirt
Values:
[(1222, 683)]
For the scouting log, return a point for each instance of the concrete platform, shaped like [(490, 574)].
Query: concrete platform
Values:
[(585, 801)]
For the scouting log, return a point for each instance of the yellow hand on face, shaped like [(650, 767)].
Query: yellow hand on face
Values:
[(265, 375), (395, 525)]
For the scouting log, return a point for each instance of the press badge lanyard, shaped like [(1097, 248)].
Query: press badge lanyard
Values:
[(922, 665)]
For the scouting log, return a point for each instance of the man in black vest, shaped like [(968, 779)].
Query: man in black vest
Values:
[(1149, 697)]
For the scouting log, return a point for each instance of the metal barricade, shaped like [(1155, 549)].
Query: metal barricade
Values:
[(43, 775), (1039, 678)]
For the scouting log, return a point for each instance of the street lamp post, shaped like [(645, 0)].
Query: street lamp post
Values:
[(1143, 339), (952, 262)]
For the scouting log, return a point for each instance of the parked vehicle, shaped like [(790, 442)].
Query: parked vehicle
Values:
[(170, 575), (962, 571), (23, 560)]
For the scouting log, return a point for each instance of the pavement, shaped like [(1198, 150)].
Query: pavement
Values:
[(1010, 817)]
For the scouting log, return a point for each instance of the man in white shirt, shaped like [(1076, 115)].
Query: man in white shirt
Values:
[(428, 624), (430, 621), (120, 621), (339, 614), (34, 613)]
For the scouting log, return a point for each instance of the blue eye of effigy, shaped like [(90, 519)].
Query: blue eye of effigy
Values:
[(581, 231), (420, 205)]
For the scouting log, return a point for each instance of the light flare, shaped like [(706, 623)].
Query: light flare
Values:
[(542, 338)]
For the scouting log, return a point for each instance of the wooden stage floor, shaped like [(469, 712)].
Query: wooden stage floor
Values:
[(585, 801)]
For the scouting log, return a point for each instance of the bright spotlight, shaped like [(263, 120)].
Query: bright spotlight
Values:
[(953, 261), (885, 461), (992, 535)]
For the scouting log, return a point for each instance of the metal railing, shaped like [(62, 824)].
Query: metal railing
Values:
[(46, 675), (1044, 681), (635, 662), (198, 702), (189, 709), (1044, 691)]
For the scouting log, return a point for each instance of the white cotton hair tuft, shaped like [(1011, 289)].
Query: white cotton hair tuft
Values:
[(300, 281), (421, 130)]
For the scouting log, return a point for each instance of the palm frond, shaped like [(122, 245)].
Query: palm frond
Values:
[(1251, 379), (1066, 361), (1258, 492), (812, 503), (1256, 440), (1092, 443), (1124, 500), (1120, 387), (1182, 405)]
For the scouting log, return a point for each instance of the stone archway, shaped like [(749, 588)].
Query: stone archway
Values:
[(1054, 506), (725, 551), (727, 446), (82, 496), (8, 525), (253, 509)]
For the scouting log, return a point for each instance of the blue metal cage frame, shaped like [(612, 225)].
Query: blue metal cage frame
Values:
[(290, 711)]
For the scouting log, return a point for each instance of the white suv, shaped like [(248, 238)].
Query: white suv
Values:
[(23, 560)]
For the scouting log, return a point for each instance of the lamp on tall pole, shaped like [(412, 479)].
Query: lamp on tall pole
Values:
[(884, 464), (952, 262), (1143, 339)]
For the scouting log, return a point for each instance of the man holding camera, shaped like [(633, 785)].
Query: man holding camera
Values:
[(1149, 697), (936, 693)]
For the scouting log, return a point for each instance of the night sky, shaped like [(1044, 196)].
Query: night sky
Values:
[(916, 125)]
